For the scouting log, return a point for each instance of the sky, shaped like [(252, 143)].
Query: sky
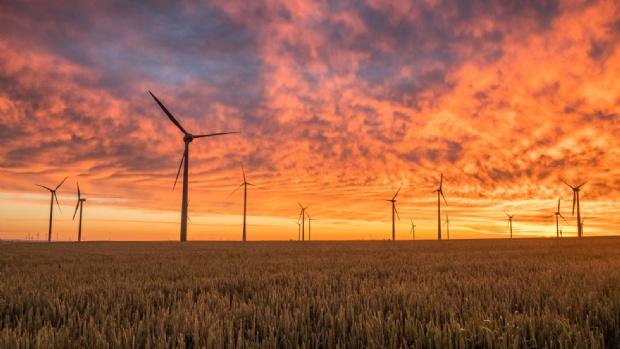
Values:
[(339, 104)]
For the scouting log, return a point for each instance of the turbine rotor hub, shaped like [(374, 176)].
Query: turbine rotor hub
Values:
[(188, 137)]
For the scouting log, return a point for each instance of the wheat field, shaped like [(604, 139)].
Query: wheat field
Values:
[(521, 293)]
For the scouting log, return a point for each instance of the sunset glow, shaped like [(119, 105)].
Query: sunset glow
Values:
[(338, 105)]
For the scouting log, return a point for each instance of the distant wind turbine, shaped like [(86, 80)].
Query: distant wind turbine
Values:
[(302, 215), (309, 230), (576, 201), (509, 222), (245, 198), (582, 221), (79, 204), (412, 232), (440, 192), (393, 201), (557, 220), (187, 139), (53, 191), (447, 224), (298, 231)]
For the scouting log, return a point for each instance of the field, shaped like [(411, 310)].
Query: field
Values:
[(555, 293)]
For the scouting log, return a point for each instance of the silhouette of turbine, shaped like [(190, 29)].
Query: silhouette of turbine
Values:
[(440, 192), (298, 231), (302, 215), (245, 198), (447, 224), (509, 222), (557, 220), (309, 229), (187, 139), (53, 191), (79, 204), (412, 232), (576, 201), (393, 201)]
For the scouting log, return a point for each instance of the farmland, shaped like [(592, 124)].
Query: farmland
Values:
[(486, 293)]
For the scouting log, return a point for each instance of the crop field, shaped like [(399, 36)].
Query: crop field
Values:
[(543, 293)]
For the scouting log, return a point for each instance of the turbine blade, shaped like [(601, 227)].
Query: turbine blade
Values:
[(507, 214), (179, 171), (395, 210), (574, 201), (563, 218), (56, 197), (566, 183), (42, 186), (215, 134), (61, 183), (174, 121), (234, 191), (76, 208), (397, 192), (444, 198), (78, 186), (558, 205), (242, 170), (441, 182), (579, 186)]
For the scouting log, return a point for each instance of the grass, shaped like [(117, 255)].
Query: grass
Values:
[(553, 293)]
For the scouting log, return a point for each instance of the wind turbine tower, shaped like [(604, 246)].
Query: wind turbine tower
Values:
[(509, 222), (557, 220), (309, 230), (447, 224), (187, 139), (302, 215), (53, 191), (440, 193), (576, 191), (393, 201), (79, 204), (245, 200), (412, 232)]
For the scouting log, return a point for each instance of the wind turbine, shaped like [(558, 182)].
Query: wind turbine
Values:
[(298, 231), (583, 220), (393, 201), (412, 232), (557, 220), (509, 222), (53, 191), (245, 198), (79, 204), (302, 215), (440, 192), (576, 201), (309, 221), (447, 224), (187, 139)]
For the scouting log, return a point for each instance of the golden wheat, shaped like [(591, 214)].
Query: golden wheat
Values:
[(554, 293)]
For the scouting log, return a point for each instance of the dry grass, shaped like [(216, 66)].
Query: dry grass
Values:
[(554, 293)]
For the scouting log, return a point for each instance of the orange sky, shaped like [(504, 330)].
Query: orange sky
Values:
[(338, 104)]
